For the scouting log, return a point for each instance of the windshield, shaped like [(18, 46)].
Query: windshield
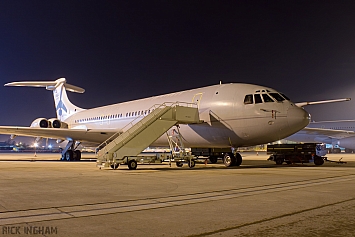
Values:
[(285, 96), (277, 96), (267, 98)]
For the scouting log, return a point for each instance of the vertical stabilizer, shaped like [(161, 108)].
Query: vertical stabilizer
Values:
[(63, 106)]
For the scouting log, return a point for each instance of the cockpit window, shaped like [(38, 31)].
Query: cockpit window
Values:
[(267, 98), (258, 99), (248, 99), (285, 96), (277, 97)]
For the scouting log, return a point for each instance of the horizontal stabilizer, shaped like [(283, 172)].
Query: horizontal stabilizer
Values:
[(50, 85)]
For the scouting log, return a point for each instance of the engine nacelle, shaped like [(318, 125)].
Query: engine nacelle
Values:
[(348, 142), (40, 123), (56, 123)]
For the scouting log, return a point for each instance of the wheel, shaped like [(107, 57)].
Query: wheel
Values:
[(77, 155), (192, 163), (239, 159), (318, 160), (68, 156), (114, 166), (279, 160), (229, 159), (132, 164), (179, 164), (213, 159)]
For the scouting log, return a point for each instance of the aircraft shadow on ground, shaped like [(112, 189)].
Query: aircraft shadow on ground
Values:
[(250, 164)]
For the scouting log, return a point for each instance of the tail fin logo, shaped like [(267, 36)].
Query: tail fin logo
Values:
[(60, 106)]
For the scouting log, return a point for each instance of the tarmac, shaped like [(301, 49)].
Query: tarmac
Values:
[(42, 196)]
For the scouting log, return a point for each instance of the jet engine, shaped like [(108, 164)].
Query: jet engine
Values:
[(56, 123), (48, 123), (40, 123), (348, 142)]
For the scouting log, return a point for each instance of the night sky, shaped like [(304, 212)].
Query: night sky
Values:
[(125, 50)]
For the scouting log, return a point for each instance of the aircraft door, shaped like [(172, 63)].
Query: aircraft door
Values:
[(197, 99)]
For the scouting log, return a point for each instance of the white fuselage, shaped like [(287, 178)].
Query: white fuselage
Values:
[(228, 121), (342, 135)]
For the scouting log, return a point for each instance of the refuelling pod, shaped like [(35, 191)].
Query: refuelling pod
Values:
[(56, 123)]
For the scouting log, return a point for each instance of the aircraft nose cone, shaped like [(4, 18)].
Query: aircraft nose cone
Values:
[(297, 118)]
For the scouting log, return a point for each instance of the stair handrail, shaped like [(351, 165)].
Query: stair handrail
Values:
[(152, 112), (221, 120)]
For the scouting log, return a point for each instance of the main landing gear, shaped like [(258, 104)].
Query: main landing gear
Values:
[(230, 159), (69, 153)]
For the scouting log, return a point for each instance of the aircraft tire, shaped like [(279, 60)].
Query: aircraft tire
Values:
[(132, 164), (192, 163), (239, 159), (279, 160), (115, 166), (68, 156), (179, 164), (229, 160), (77, 155), (213, 159), (318, 160)]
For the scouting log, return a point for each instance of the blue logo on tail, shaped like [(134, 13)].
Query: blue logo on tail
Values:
[(61, 107)]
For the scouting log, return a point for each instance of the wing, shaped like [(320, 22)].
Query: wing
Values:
[(331, 133), (82, 135)]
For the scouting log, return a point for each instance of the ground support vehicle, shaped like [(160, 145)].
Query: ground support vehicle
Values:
[(228, 157), (132, 161), (297, 153)]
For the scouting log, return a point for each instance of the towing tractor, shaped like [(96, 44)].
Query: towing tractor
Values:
[(297, 153)]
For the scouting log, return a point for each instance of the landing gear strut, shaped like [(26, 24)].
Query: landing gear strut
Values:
[(70, 153)]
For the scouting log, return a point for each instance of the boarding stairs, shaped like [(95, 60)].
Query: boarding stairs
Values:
[(126, 144), (178, 151)]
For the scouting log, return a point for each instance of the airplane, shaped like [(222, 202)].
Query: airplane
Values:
[(233, 115), (339, 132)]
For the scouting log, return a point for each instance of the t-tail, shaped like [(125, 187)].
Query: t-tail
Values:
[(59, 87)]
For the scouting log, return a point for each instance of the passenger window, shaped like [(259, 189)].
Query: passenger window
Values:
[(277, 97), (267, 98), (258, 99), (248, 99)]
